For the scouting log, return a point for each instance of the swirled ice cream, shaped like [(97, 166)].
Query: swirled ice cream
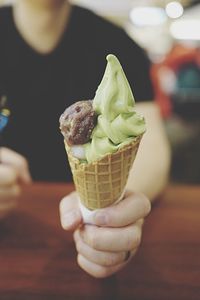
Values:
[(96, 128)]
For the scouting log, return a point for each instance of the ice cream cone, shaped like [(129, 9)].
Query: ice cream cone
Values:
[(102, 183)]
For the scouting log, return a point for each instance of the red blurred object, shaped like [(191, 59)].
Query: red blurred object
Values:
[(178, 56)]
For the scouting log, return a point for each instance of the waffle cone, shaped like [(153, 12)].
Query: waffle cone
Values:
[(101, 183)]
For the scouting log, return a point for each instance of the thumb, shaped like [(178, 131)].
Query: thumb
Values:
[(70, 214)]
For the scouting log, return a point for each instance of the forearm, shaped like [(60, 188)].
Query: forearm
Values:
[(149, 176), (150, 171)]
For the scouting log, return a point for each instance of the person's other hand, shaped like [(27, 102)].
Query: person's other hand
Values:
[(13, 172), (107, 246)]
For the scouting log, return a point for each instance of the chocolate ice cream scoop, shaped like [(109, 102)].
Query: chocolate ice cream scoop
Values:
[(77, 122)]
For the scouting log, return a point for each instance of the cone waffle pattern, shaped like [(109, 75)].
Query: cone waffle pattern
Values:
[(102, 183)]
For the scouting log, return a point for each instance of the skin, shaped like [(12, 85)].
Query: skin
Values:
[(154, 155), (99, 252), (14, 172), (41, 23)]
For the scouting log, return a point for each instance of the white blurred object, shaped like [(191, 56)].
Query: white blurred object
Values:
[(148, 16), (155, 39), (107, 7), (78, 151), (148, 26), (186, 29), (174, 9), (167, 80)]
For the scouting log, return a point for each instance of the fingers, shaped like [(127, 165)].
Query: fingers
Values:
[(102, 263), (127, 211), (13, 169), (70, 215), (105, 259), (133, 207), (96, 270), (17, 162), (112, 239), (8, 175), (106, 247), (8, 182), (9, 191)]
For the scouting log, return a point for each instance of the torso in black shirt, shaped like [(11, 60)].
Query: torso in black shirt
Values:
[(39, 87)]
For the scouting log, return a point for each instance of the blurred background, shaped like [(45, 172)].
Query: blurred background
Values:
[(169, 31), (155, 25)]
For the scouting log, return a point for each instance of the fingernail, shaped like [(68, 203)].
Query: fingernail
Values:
[(101, 219), (69, 219)]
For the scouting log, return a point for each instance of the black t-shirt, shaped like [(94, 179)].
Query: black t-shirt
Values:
[(39, 87)]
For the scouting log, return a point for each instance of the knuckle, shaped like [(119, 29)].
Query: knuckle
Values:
[(133, 239), (23, 162), (114, 259), (102, 273), (65, 201), (78, 247), (16, 190), (76, 235), (97, 272), (130, 243), (68, 202), (137, 239), (146, 205), (8, 175), (62, 204), (92, 239)]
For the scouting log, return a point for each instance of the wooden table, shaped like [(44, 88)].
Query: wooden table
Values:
[(38, 259)]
